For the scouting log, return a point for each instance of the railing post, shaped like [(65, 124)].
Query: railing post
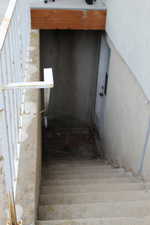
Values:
[(12, 210)]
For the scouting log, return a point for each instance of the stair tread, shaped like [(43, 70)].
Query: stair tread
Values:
[(91, 192)]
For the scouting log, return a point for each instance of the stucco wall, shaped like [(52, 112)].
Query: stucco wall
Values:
[(126, 115), (30, 156), (128, 28)]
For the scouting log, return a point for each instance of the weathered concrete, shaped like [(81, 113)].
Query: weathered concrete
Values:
[(30, 156), (126, 119), (103, 221), (137, 209), (73, 55), (91, 201)]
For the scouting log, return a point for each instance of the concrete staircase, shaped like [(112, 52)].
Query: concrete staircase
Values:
[(91, 192)]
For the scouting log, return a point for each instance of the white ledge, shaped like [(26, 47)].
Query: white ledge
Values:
[(47, 83)]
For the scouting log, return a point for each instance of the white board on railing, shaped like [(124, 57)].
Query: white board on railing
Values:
[(48, 75), (47, 83)]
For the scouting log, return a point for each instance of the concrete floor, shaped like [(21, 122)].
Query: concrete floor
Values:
[(3, 8)]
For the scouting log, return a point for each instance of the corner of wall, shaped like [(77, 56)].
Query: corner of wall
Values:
[(30, 154)]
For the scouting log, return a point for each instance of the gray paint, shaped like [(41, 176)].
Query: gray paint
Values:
[(73, 55), (126, 116), (128, 28)]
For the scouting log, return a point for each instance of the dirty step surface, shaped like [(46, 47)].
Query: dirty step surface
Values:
[(96, 221), (78, 190)]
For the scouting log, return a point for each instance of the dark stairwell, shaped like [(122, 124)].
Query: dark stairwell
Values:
[(79, 187)]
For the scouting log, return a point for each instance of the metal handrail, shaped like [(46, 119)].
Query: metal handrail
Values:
[(6, 22), (14, 42)]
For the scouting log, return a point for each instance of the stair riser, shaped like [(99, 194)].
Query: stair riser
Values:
[(84, 172), (106, 221), (95, 170), (88, 181), (129, 209), (80, 164), (76, 169), (83, 176), (93, 197), (91, 188)]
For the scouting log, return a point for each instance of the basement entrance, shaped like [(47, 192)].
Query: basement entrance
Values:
[(78, 186), (74, 58)]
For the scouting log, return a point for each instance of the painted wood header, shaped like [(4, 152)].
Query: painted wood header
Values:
[(68, 19)]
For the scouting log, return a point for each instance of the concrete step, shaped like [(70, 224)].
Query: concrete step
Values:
[(91, 180), (84, 170), (76, 168), (50, 175), (98, 210), (97, 221), (83, 188), (77, 163), (73, 198)]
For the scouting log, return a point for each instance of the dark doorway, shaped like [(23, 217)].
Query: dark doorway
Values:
[(73, 56)]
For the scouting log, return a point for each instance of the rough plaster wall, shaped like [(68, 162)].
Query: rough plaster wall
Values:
[(126, 115), (30, 156), (73, 55), (128, 28)]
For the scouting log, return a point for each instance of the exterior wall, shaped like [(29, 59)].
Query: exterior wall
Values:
[(30, 156), (73, 55), (126, 116), (128, 28)]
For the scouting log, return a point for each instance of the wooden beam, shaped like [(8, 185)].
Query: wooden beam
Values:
[(65, 19)]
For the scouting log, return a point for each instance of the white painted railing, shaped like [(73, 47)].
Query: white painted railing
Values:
[(14, 41)]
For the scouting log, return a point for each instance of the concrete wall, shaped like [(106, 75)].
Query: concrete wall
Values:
[(128, 28), (30, 156), (126, 115), (73, 55)]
